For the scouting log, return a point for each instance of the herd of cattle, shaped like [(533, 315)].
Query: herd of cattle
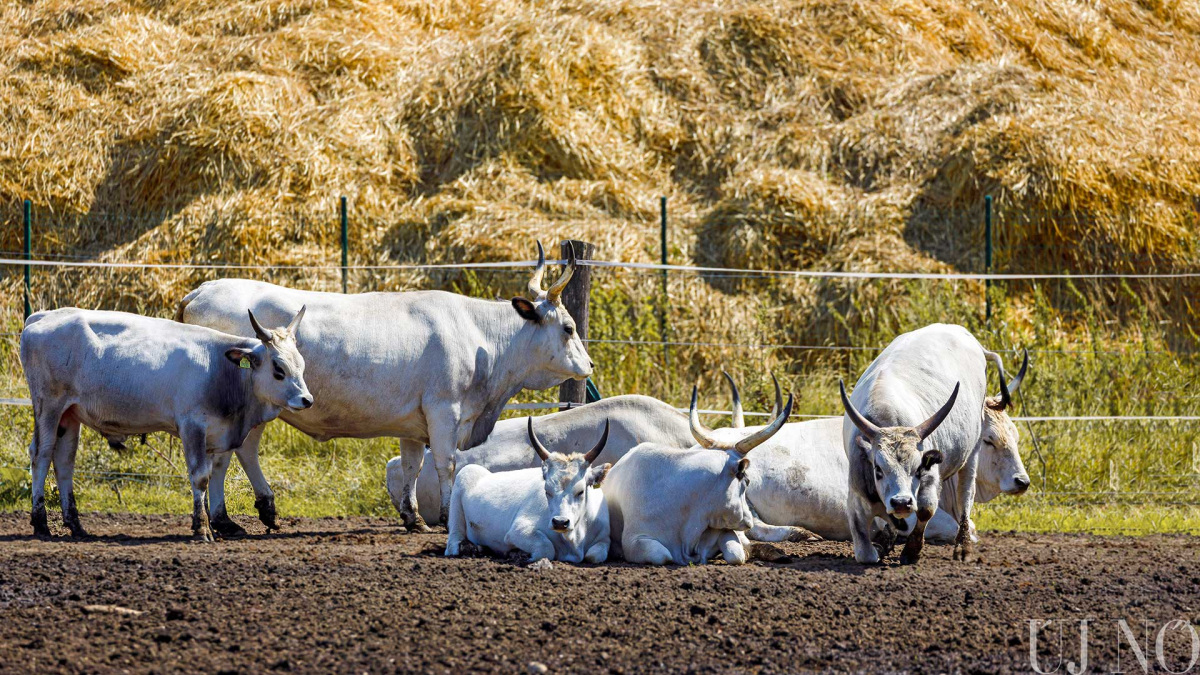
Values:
[(628, 477)]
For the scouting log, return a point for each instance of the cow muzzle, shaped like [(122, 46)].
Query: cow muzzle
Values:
[(303, 402), (560, 525), (900, 507), (1020, 485)]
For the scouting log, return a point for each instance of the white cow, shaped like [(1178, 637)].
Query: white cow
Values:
[(681, 506), (430, 368), (123, 374), (634, 419), (556, 512), (914, 420), (798, 481)]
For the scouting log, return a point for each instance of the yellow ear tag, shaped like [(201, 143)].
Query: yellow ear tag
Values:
[(244, 363)]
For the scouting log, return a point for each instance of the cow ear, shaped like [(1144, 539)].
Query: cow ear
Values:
[(929, 458), (863, 444), (597, 474), (739, 471), (243, 358), (526, 309)]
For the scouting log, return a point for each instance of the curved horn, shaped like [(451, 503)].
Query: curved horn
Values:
[(924, 429), (595, 452), (778, 397), (868, 429), (1006, 390), (535, 282), (540, 449), (291, 329), (259, 332), (759, 437), (701, 433), (556, 289), (1016, 381), (739, 418)]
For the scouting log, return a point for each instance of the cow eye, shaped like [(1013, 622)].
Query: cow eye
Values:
[(878, 473), (569, 330), (579, 492), (278, 371)]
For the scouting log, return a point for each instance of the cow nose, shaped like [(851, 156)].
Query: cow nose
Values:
[(560, 523), (1022, 483), (902, 505), (305, 401), (591, 364)]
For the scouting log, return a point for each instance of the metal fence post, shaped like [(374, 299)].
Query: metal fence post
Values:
[(575, 299), (345, 244), (28, 254), (987, 257), (666, 298)]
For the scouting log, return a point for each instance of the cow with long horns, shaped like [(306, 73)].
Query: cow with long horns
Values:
[(914, 420), (681, 506), (427, 367), (555, 512)]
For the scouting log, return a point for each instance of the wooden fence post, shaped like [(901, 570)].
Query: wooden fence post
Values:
[(575, 299)]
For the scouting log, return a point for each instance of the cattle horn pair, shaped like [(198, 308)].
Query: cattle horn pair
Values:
[(704, 435), (871, 431), (266, 335), (739, 417), (555, 291), (1007, 390), (544, 454)]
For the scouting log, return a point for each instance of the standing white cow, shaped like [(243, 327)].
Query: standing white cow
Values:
[(123, 374), (634, 419), (556, 512), (903, 434), (429, 367), (798, 481), (671, 505)]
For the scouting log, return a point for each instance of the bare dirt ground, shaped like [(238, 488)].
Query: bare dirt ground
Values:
[(358, 595)]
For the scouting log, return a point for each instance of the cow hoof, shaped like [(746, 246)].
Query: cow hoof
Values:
[(962, 552), (266, 512), (906, 559), (40, 527), (416, 525), (77, 531), (227, 528), (802, 535), (203, 536)]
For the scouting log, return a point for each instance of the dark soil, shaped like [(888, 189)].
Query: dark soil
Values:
[(358, 595)]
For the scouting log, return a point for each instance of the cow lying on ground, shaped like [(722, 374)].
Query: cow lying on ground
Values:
[(124, 374), (681, 506), (427, 367), (634, 419), (556, 512)]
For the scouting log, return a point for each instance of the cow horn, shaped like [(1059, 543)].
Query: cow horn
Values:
[(556, 290), (260, 332), (535, 282), (759, 437), (291, 329), (701, 433), (595, 452), (1007, 390), (778, 397), (537, 445), (868, 429), (739, 418), (924, 429)]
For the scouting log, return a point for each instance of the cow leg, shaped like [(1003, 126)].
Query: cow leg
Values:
[(456, 527), (443, 444), (200, 472), (596, 553), (532, 541), (963, 547), (860, 514), (731, 547), (647, 551), (45, 438), (64, 474), (264, 497), (928, 493), (412, 456), (218, 517)]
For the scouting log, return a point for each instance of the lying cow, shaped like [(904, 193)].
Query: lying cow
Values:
[(124, 374), (798, 481), (556, 512), (904, 435), (428, 367), (681, 506), (634, 419)]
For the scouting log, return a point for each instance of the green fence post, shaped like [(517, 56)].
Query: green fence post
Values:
[(345, 244), (987, 257), (666, 297), (28, 254)]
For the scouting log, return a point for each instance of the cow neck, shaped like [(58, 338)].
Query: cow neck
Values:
[(499, 378)]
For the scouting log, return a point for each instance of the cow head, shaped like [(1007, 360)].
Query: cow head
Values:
[(1000, 468), (568, 482), (894, 457), (556, 345), (734, 512), (276, 367)]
